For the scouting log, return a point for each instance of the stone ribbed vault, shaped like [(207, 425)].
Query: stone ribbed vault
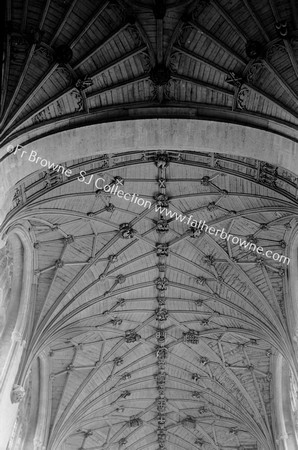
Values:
[(159, 336), (120, 327)]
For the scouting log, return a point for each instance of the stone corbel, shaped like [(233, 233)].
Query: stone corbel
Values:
[(17, 393), (38, 445), (282, 438), (295, 336), (242, 97), (16, 336)]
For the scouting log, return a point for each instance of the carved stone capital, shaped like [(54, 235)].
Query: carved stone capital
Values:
[(38, 444), (16, 336), (282, 437), (17, 393)]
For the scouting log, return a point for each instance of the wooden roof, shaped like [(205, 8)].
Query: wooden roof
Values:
[(70, 63)]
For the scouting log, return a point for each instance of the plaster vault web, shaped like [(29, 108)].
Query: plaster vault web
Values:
[(155, 335)]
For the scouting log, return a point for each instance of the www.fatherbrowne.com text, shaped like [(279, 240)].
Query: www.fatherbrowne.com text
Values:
[(197, 227)]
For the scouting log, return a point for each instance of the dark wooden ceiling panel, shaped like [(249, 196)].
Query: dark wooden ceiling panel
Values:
[(203, 42)]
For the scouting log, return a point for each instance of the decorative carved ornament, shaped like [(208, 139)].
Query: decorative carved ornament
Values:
[(135, 422), (254, 71), (162, 160), (17, 393), (268, 174), (131, 336), (52, 178), (125, 394), (189, 422), (161, 284), (205, 181), (134, 34), (116, 322), (243, 97), (146, 62), (162, 249), (160, 336), (45, 52), (191, 337), (275, 49), (161, 314), (234, 80), (161, 200), (161, 299), (118, 361), (76, 94), (282, 29), (162, 226), (126, 231), (82, 84), (161, 353), (66, 74), (18, 199)]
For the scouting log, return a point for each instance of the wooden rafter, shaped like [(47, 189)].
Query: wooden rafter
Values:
[(281, 81), (225, 71), (25, 69), (24, 15), (295, 13), (229, 19), (287, 44), (201, 83), (100, 45), (65, 18), (174, 38), (89, 23), (219, 43), (6, 62), (256, 20), (65, 91)]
